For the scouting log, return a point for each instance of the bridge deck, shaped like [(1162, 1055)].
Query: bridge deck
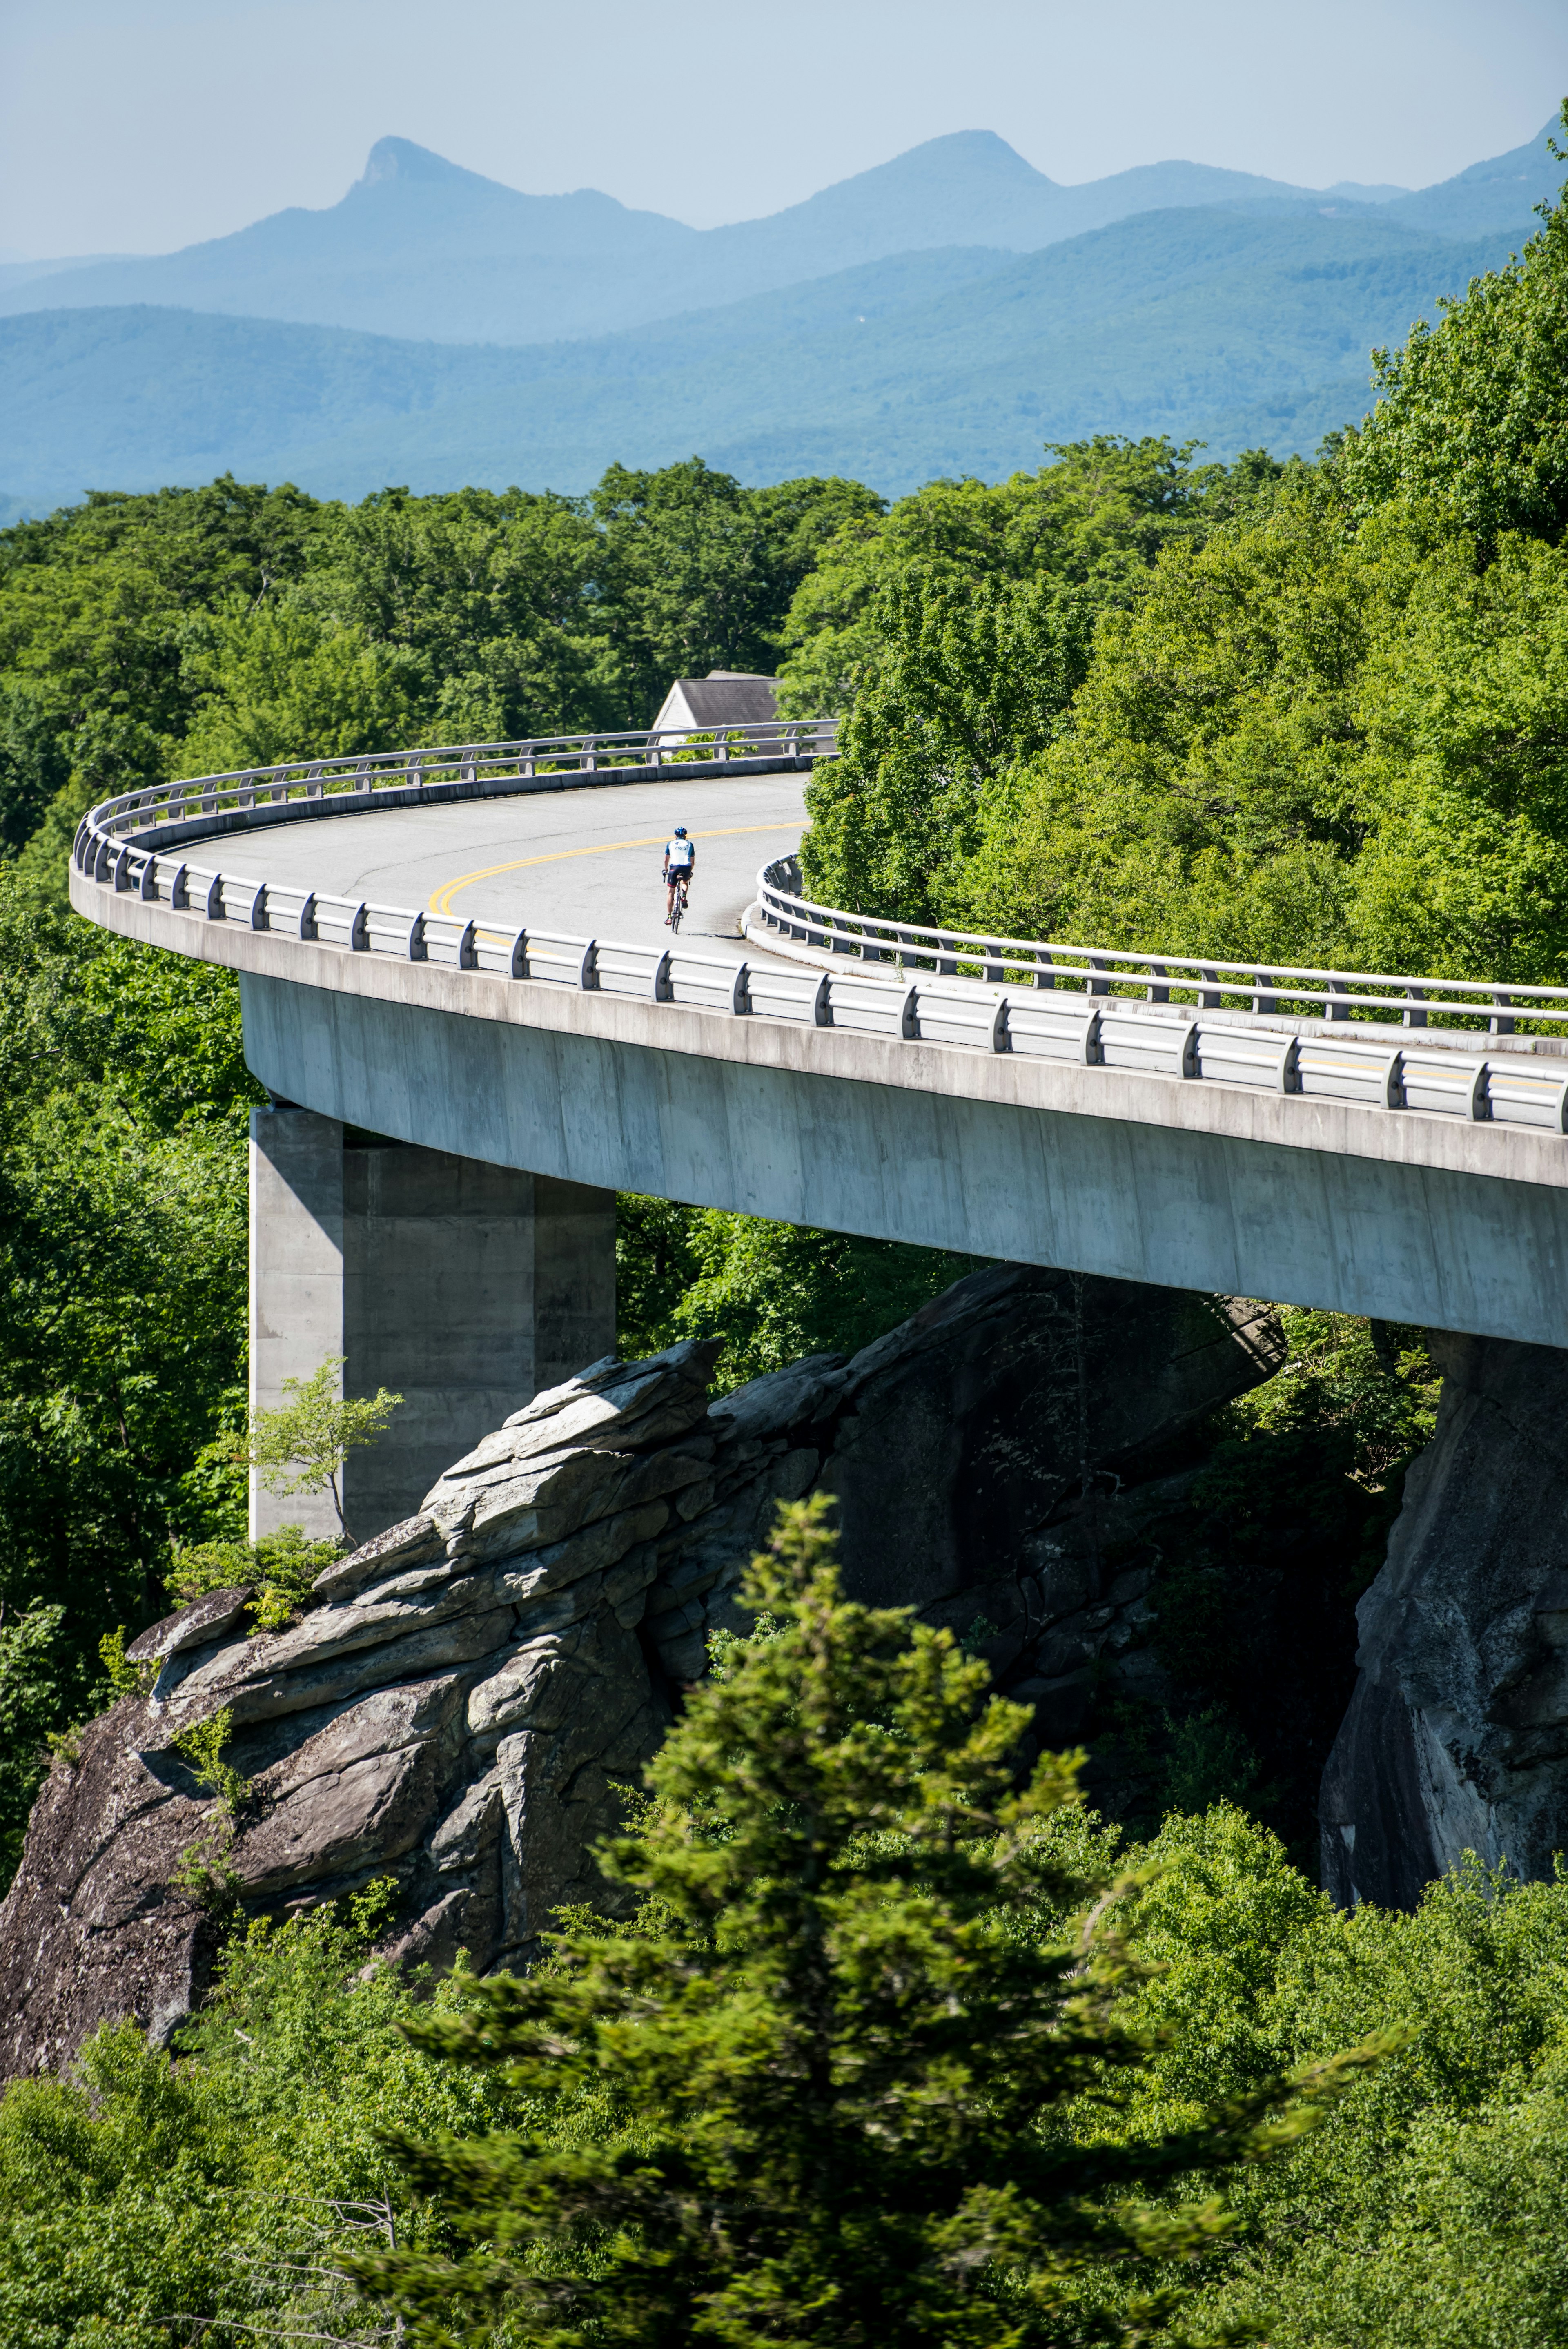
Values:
[(585, 861), (981, 1125)]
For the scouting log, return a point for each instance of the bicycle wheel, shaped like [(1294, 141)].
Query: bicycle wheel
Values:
[(678, 908)]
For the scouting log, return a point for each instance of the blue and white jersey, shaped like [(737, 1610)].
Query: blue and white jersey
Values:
[(680, 852)]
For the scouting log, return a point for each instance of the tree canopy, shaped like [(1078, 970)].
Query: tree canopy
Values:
[(196, 630), (860, 2058), (1472, 414), (1310, 714)]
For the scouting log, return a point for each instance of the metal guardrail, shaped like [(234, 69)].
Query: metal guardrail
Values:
[(1210, 985), (1068, 1004), (305, 786)]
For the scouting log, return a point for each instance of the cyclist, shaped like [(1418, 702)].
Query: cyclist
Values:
[(680, 864)]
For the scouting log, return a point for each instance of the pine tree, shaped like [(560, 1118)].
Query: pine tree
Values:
[(835, 2053)]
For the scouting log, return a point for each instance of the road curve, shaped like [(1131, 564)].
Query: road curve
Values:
[(585, 861)]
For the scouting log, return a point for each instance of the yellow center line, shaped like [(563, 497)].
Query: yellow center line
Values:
[(441, 901)]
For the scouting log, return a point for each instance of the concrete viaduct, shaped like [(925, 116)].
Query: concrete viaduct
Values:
[(458, 1089)]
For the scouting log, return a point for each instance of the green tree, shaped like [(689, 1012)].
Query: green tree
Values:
[(485, 600), (696, 573), (1465, 711), (142, 2198), (1472, 414), (300, 1446), (123, 1094), (96, 606), (773, 1292), (281, 1566), (281, 683), (1095, 518), (1213, 790), (144, 2201), (970, 677), (1311, 742), (34, 763), (1423, 2210), (839, 2056)]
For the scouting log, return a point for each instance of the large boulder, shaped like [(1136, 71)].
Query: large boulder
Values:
[(991, 1459), (459, 1704), (1457, 1734)]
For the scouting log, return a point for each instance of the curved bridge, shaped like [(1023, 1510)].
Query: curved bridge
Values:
[(1371, 1144)]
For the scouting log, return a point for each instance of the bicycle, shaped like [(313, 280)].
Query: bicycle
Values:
[(678, 903)]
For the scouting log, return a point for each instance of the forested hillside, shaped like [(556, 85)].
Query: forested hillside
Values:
[(1306, 710), (1313, 713), (1043, 2058)]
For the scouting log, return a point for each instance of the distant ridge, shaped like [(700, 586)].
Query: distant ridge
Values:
[(422, 248), (1501, 193), (1240, 324)]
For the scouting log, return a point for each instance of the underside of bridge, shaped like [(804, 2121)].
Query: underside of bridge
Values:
[(1131, 1178)]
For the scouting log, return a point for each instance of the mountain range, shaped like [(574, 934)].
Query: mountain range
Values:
[(946, 312), (421, 248)]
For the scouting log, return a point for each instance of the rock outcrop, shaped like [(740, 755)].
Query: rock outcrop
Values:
[(1457, 1735), (454, 1708)]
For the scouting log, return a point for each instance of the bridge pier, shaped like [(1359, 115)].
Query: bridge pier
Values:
[(462, 1286)]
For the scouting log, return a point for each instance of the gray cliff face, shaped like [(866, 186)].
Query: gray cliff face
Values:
[(456, 1707), (1458, 1731)]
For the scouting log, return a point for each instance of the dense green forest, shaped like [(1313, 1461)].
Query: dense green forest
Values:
[(1019, 2137), (1313, 713), (1305, 710), (196, 630)]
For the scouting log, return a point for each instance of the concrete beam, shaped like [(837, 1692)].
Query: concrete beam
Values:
[(978, 1158), (1192, 1184)]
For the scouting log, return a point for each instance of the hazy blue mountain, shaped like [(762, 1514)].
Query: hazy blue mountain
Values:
[(1240, 324), (16, 272), (1501, 193), (972, 187), (420, 247)]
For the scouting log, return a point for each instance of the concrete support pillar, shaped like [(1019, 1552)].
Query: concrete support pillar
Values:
[(296, 1280), (466, 1287), (463, 1286)]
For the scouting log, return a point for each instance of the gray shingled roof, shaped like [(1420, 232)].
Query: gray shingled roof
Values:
[(730, 697)]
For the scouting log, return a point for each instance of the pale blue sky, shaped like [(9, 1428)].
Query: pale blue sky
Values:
[(140, 124)]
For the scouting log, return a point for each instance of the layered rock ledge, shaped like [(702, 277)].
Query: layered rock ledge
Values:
[(460, 1700), (1457, 1735)]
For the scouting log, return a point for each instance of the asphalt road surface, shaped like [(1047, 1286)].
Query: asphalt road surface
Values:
[(585, 861)]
